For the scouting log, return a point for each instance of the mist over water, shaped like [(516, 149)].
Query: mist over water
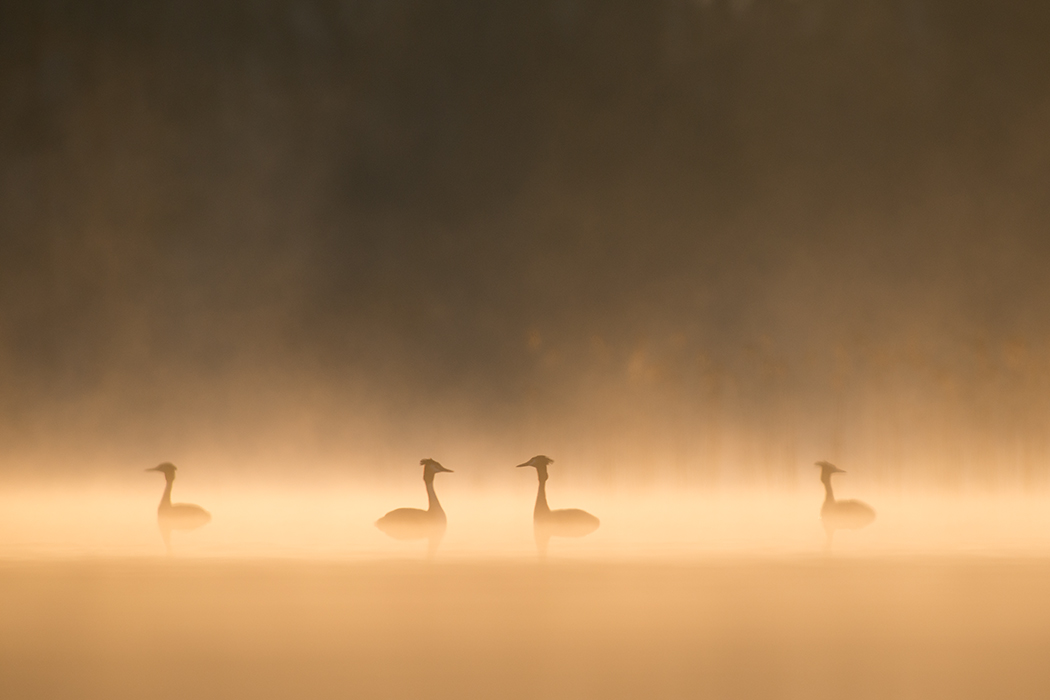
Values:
[(655, 523), (687, 249)]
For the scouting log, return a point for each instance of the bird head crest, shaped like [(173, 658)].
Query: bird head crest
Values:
[(165, 468), (432, 466), (828, 468), (540, 462)]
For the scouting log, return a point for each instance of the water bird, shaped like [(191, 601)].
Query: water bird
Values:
[(547, 523), (840, 515), (176, 516), (416, 523)]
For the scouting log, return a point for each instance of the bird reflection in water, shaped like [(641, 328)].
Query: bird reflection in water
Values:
[(840, 515), (547, 523), (176, 516), (415, 523)]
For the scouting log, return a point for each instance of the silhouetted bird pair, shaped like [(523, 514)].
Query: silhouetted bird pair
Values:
[(414, 523)]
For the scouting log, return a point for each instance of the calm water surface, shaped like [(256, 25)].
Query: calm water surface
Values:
[(791, 627)]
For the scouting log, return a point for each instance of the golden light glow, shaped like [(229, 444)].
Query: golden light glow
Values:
[(334, 520)]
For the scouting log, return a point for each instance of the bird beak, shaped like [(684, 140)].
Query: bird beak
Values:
[(525, 465), (152, 469)]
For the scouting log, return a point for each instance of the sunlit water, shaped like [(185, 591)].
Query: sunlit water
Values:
[(761, 628), (682, 593), (335, 520)]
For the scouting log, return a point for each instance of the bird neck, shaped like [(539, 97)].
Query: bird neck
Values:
[(829, 495), (432, 500), (541, 499), (165, 500)]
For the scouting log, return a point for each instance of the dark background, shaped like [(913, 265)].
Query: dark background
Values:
[(720, 238)]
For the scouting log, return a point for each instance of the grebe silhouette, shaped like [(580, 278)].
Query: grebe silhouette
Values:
[(547, 523), (415, 523), (840, 515), (176, 516)]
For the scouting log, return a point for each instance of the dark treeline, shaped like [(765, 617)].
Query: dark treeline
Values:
[(719, 235)]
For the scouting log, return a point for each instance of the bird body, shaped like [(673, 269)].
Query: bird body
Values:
[(176, 516), (841, 515), (410, 523), (562, 522), (847, 515), (569, 522), (184, 516), (415, 523)]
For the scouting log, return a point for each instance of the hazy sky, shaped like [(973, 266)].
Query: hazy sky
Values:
[(721, 233)]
